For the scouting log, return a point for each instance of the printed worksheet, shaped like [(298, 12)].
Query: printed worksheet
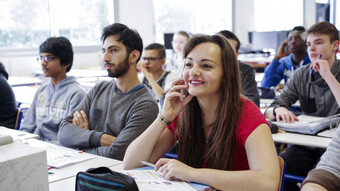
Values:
[(150, 180)]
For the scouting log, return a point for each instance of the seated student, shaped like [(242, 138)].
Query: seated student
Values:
[(178, 42), (326, 175), (248, 82), (314, 94), (56, 99), (223, 139), (8, 105), (114, 112), (285, 62), (154, 77)]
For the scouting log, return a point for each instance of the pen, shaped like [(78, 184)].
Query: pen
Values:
[(312, 70), (50, 172), (147, 163)]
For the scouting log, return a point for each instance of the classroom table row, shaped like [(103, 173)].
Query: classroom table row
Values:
[(65, 177)]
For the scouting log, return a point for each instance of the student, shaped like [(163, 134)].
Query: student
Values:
[(326, 175), (285, 62), (56, 99), (219, 132), (154, 77), (114, 112), (248, 82), (8, 105), (314, 95), (178, 42)]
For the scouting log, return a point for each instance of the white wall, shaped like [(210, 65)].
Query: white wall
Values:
[(138, 15), (243, 18)]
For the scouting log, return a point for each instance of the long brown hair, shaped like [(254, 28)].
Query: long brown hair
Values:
[(217, 149)]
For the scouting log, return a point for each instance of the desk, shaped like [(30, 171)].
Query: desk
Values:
[(15, 81), (70, 171), (18, 136), (301, 139), (73, 169)]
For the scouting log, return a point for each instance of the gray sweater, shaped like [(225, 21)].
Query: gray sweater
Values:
[(327, 172), (315, 96), (50, 106), (123, 115)]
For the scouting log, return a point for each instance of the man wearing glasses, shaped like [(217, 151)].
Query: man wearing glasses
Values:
[(154, 77), (56, 99)]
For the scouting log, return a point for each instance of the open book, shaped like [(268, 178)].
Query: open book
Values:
[(309, 124)]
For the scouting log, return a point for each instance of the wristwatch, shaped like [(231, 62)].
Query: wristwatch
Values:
[(274, 113)]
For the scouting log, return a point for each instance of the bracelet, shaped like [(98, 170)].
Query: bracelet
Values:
[(164, 120), (274, 113)]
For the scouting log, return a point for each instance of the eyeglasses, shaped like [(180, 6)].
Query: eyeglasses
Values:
[(46, 58), (151, 59)]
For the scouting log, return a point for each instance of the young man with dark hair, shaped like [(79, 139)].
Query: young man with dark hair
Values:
[(314, 95), (154, 77), (114, 112), (248, 82), (56, 99), (285, 62)]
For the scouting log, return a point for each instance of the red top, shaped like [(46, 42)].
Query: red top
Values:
[(252, 118)]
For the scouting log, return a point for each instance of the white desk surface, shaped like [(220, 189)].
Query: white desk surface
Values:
[(23, 81), (301, 139), (25, 94), (255, 58), (73, 169), (17, 135)]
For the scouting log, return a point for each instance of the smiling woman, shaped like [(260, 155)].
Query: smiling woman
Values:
[(219, 132)]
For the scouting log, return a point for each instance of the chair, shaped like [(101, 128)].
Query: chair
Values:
[(282, 173), (18, 119)]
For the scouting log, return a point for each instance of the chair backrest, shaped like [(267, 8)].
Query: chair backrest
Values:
[(18, 119), (282, 173)]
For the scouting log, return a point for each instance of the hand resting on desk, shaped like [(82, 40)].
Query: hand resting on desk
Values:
[(282, 113), (172, 168)]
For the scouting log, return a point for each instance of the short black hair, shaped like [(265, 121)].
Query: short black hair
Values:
[(299, 28), (60, 47), (130, 38), (156, 46), (231, 35)]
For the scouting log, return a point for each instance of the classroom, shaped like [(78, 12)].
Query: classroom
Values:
[(134, 73)]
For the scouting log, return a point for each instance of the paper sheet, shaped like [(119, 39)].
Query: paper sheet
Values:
[(150, 180), (59, 157)]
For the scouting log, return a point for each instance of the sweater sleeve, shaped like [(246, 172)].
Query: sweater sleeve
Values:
[(323, 178), (73, 136), (327, 172), (140, 118)]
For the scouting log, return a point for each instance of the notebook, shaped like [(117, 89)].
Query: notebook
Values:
[(309, 124)]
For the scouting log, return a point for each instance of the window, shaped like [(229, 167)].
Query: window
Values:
[(193, 16), (26, 24), (276, 15)]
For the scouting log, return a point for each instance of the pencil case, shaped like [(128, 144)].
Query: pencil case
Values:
[(102, 178)]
